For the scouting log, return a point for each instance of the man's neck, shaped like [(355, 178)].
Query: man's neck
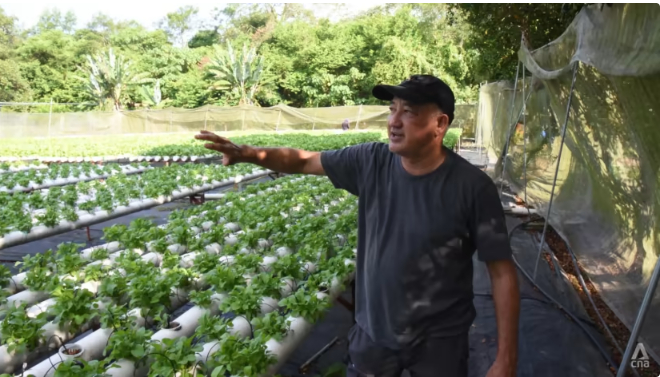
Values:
[(425, 163)]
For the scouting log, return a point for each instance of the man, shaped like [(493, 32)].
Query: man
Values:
[(345, 125), (423, 211)]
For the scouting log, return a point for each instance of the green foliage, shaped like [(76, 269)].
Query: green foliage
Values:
[(18, 331), (272, 325), (106, 75), (294, 58), (242, 300), (306, 305), (201, 298), (238, 73), (74, 307), (496, 29), (174, 357), (236, 356), (131, 344), (81, 368)]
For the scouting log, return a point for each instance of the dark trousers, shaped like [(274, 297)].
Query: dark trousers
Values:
[(434, 357)]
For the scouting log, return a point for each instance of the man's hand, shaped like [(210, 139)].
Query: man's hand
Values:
[(283, 160), (502, 368), (231, 152)]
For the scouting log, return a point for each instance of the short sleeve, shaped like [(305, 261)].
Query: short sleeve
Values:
[(344, 166), (488, 225)]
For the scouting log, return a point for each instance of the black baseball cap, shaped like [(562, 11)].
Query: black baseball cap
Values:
[(420, 89)]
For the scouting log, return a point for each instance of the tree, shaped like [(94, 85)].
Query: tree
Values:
[(106, 75), (237, 73), (204, 38), (53, 19), (496, 31), (178, 24)]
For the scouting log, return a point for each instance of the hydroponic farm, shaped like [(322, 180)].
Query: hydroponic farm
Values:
[(228, 284)]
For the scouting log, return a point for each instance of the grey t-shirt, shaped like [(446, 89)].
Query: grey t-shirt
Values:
[(416, 238)]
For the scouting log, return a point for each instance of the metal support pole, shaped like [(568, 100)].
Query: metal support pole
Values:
[(279, 116), (554, 181), (497, 108), (524, 122), (171, 115), (316, 111), (639, 322), (243, 120), (357, 122), (206, 113), (50, 115), (508, 134)]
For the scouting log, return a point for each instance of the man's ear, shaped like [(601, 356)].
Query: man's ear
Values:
[(443, 122)]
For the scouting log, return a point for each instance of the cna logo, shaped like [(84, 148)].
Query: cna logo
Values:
[(640, 359)]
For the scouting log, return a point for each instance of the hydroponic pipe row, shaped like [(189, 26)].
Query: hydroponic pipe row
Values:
[(37, 233), (48, 183), (190, 314), (50, 329), (112, 159)]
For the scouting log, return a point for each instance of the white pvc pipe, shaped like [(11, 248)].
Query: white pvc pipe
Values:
[(18, 239), (76, 180), (188, 322)]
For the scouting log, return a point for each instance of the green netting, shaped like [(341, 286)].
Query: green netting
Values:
[(212, 118), (607, 198)]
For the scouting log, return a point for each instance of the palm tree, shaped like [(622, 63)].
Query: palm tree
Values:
[(106, 75), (240, 74)]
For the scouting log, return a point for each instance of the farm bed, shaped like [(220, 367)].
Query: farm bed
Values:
[(261, 266), (29, 216)]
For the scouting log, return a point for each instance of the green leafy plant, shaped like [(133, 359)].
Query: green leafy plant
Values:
[(74, 307), (236, 356), (225, 278), (272, 325), (5, 276), (116, 317), (81, 368), (18, 331), (267, 285), (174, 357), (305, 305), (100, 253), (201, 298), (212, 327), (95, 272), (245, 301), (130, 344), (114, 286), (68, 257)]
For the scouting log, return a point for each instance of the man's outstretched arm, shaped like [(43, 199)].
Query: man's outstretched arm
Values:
[(284, 160), (506, 295)]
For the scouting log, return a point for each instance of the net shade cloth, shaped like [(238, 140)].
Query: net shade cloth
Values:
[(212, 118), (607, 198)]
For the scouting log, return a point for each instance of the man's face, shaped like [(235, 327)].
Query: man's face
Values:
[(415, 129)]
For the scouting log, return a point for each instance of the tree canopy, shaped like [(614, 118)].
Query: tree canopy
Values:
[(286, 54)]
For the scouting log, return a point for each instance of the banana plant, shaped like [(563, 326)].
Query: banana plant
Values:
[(106, 75), (239, 73)]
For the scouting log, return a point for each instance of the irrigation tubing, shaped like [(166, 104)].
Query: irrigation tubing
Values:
[(575, 318)]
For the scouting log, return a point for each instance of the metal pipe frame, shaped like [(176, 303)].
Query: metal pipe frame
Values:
[(554, 181)]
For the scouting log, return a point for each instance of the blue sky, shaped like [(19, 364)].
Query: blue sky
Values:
[(145, 12)]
